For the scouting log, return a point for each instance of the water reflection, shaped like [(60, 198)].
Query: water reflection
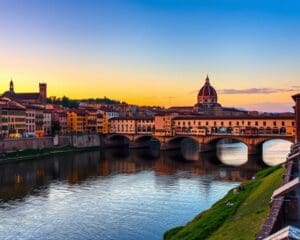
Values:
[(275, 151), (20, 179), (234, 154), (116, 193)]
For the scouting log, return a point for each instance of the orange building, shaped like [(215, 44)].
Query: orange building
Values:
[(163, 124), (76, 121)]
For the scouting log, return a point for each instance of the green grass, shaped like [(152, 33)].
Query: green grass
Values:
[(239, 215)]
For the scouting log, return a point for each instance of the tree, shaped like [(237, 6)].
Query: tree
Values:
[(55, 127)]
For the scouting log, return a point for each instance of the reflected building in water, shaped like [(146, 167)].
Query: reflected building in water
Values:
[(26, 178)]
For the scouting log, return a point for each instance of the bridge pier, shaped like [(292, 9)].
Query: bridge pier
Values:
[(255, 149), (168, 146), (207, 147), (133, 145)]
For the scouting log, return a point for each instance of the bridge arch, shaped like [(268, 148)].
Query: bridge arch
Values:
[(142, 141), (145, 138), (117, 140), (278, 137), (178, 141), (215, 139)]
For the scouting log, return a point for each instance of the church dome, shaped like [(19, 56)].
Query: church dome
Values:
[(207, 94)]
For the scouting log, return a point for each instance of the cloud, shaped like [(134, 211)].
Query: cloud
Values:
[(258, 90), (269, 106)]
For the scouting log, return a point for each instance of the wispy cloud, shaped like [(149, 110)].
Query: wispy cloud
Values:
[(258, 90), (269, 106)]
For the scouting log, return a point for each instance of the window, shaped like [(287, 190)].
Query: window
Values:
[(274, 123)]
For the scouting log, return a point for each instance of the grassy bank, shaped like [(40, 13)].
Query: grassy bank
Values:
[(33, 153), (239, 215)]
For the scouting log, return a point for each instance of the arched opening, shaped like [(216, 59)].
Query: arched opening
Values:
[(261, 131), (147, 141), (275, 151), (189, 146), (268, 130), (231, 151), (282, 131), (275, 131), (117, 140)]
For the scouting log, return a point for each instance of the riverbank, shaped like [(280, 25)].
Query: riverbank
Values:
[(43, 152), (239, 215)]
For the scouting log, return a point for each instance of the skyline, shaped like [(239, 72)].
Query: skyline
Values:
[(154, 52)]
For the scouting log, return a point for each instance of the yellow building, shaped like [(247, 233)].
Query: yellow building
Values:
[(125, 125), (132, 125), (77, 121), (99, 123), (235, 125), (105, 122), (13, 119), (91, 117)]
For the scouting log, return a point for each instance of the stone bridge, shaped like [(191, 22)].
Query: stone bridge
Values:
[(206, 142)]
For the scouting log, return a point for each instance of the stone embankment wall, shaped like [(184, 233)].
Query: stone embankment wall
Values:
[(10, 145)]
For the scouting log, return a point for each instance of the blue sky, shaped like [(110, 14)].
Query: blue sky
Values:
[(154, 52)]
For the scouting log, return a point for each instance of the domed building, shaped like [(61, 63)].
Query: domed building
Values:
[(207, 100)]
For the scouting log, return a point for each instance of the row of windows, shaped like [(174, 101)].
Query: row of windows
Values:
[(13, 112), (30, 121), (238, 123), (15, 119)]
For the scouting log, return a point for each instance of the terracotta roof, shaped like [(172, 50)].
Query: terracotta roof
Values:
[(22, 96), (11, 105)]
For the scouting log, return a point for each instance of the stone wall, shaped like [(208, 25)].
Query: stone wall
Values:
[(25, 143), (91, 140), (10, 145)]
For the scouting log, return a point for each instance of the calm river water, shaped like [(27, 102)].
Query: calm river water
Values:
[(119, 194)]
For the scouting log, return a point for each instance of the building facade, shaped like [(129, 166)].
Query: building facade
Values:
[(33, 98), (235, 125), (13, 119)]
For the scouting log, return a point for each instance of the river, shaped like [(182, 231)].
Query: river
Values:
[(120, 194)]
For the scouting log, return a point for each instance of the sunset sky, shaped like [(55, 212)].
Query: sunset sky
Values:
[(154, 52)]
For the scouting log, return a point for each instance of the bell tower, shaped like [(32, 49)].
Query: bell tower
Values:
[(11, 86), (43, 91)]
